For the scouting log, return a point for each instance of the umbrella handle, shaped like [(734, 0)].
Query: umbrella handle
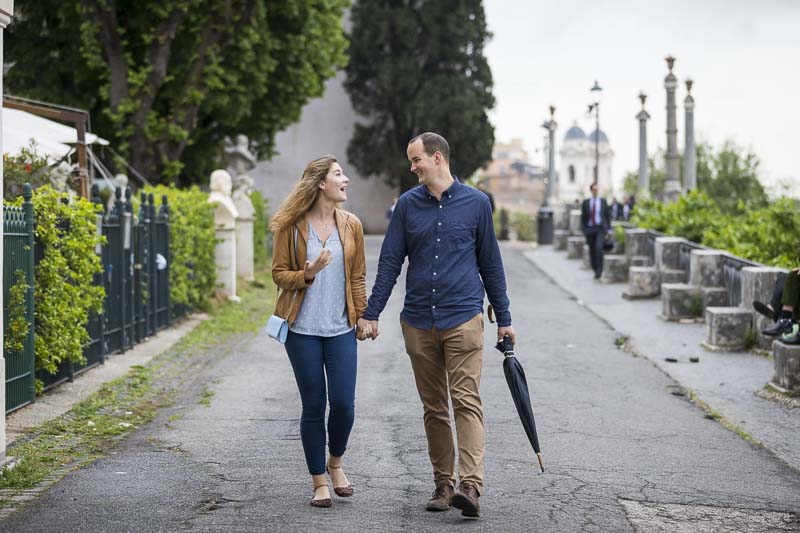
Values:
[(490, 313)]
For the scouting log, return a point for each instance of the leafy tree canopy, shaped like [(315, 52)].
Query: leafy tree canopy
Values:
[(168, 81), (416, 66)]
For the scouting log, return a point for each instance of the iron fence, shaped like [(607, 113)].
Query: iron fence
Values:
[(18, 250)]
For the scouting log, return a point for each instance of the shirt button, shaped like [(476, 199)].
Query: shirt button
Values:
[(440, 223), (437, 240), (433, 307), (436, 257), (434, 273), (434, 290), (440, 207)]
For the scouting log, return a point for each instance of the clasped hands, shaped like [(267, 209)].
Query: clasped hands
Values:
[(367, 329)]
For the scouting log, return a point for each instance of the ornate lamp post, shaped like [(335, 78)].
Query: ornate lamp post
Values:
[(596, 91), (672, 186), (544, 220)]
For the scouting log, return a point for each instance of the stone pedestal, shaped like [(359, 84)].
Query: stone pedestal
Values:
[(575, 247), (667, 253), (225, 214), (727, 328), (560, 239), (757, 284), (670, 275), (615, 269), (586, 257), (786, 363), (714, 296), (705, 268), (575, 222), (680, 301), (636, 242), (643, 282)]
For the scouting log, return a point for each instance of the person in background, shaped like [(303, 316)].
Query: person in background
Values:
[(595, 223), (485, 190)]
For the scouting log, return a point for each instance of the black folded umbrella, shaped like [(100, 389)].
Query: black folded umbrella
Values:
[(515, 376)]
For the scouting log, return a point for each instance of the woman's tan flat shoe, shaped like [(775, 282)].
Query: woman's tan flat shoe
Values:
[(342, 492), (321, 502)]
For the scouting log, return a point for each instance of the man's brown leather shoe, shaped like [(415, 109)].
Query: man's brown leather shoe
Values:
[(442, 496), (466, 499)]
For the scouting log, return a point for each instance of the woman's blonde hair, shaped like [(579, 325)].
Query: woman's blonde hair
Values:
[(303, 195)]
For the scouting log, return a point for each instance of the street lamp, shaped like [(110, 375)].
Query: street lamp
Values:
[(596, 90), (544, 220)]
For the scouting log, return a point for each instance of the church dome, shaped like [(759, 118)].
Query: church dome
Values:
[(575, 133), (603, 138)]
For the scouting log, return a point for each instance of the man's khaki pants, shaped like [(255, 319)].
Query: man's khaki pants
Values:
[(451, 357)]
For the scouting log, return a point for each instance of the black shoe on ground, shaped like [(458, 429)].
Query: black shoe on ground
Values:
[(466, 499), (441, 498), (783, 325), (762, 308), (597, 276)]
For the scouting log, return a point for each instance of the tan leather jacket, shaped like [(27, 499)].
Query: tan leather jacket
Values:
[(287, 271)]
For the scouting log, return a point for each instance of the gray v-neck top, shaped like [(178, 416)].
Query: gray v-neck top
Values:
[(323, 312)]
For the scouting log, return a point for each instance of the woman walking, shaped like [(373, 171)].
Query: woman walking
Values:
[(318, 264)]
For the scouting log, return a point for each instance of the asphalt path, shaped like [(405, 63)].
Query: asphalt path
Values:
[(624, 450)]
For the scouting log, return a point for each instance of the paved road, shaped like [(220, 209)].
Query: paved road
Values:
[(623, 452)]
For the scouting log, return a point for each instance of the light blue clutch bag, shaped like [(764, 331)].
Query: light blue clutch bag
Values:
[(277, 328)]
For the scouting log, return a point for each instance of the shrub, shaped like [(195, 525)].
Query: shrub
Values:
[(260, 229), (64, 276), (193, 271), (525, 226)]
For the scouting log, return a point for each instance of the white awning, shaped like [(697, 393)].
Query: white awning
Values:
[(52, 138)]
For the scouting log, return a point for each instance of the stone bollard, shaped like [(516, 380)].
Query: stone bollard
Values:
[(636, 242), (705, 268), (225, 214), (615, 269), (667, 253), (586, 257), (681, 301), (725, 327), (575, 247), (643, 282), (786, 364), (575, 222), (560, 238), (757, 284)]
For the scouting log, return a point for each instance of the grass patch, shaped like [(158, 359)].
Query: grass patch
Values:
[(92, 427), (724, 422), (205, 397)]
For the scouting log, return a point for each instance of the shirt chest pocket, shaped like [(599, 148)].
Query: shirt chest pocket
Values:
[(463, 236)]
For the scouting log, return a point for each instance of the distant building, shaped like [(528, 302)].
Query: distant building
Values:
[(514, 181), (577, 164)]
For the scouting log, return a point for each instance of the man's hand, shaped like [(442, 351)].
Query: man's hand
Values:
[(374, 328), (502, 331), (312, 268), (363, 329)]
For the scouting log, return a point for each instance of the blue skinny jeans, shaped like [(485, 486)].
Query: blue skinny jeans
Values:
[(312, 359)]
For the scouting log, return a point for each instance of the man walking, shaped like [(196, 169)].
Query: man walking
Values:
[(445, 228), (595, 223)]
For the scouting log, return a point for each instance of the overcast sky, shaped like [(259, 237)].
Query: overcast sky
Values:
[(744, 56)]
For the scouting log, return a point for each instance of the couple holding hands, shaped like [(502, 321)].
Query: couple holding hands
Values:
[(445, 229)]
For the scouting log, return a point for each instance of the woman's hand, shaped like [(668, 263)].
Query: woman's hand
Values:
[(314, 267), (364, 329)]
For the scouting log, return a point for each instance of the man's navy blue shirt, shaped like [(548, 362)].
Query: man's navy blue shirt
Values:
[(453, 257)]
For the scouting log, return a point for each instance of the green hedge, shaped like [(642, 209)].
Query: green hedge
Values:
[(260, 230), (525, 226), (193, 271), (767, 235), (63, 277)]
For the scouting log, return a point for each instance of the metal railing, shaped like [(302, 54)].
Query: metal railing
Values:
[(18, 250)]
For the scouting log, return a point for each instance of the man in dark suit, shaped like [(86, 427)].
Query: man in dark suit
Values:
[(595, 223)]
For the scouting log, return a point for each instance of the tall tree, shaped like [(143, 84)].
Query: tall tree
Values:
[(168, 81), (416, 66), (730, 178)]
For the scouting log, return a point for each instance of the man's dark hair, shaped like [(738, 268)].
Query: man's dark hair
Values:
[(592, 185), (432, 143)]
